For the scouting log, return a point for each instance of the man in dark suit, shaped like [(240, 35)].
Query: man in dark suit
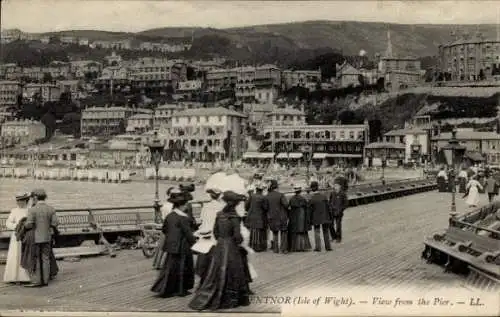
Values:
[(276, 206), (43, 220), (338, 203), (320, 217)]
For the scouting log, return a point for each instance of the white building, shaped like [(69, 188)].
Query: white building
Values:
[(23, 131), (140, 123), (46, 92), (209, 134), (163, 116), (415, 140)]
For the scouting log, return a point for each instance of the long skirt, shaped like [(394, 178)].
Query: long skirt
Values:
[(473, 197), (159, 255), (226, 284), (14, 272), (42, 261), (299, 242), (202, 265), (176, 278), (258, 239)]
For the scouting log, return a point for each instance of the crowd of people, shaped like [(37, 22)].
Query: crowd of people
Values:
[(471, 181), (233, 225)]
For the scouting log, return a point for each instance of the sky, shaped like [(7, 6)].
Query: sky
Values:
[(134, 16)]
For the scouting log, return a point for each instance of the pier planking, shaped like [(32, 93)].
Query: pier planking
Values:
[(381, 247)]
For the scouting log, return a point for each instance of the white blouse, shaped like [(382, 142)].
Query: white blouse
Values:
[(15, 216), (208, 214)]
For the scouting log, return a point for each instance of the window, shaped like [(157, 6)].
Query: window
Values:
[(351, 135), (342, 134), (220, 118)]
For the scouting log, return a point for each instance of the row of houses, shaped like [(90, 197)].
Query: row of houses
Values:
[(10, 35)]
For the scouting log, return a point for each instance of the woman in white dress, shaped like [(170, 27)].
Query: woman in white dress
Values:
[(14, 273), (473, 188)]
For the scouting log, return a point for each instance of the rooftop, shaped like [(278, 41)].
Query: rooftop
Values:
[(468, 135), (140, 116), (22, 122), (385, 145), (398, 132), (217, 111), (107, 109), (287, 111), (167, 107)]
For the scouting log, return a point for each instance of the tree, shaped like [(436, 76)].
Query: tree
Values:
[(347, 117), (49, 120), (47, 78)]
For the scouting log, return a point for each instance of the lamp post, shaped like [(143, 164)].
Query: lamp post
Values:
[(453, 153), (384, 163), (307, 159), (156, 148)]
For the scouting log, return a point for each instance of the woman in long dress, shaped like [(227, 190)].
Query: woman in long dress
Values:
[(298, 226), (205, 231), (14, 272), (176, 277), (473, 188), (160, 255), (256, 219), (227, 282)]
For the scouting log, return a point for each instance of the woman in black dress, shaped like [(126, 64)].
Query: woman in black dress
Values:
[(299, 225), (227, 282), (256, 219), (176, 277)]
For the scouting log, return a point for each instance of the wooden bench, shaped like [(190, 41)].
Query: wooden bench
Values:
[(477, 243), (71, 222)]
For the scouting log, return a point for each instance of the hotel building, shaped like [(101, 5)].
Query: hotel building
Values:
[(9, 93), (260, 83), (221, 79), (469, 57), (104, 121), (207, 134), (330, 144)]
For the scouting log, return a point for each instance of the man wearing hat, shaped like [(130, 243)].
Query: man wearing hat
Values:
[(256, 219), (276, 205), (320, 217), (43, 220), (338, 203)]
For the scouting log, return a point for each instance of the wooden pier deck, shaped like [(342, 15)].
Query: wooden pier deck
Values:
[(381, 247)]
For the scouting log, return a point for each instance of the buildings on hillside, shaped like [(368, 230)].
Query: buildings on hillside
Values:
[(480, 145), (300, 78), (22, 131), (469, 58), (9, 93), (43, 92)]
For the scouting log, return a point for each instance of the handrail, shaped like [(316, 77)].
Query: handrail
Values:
[(201, 202)]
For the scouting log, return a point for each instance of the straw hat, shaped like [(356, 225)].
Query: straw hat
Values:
[(23, 196)]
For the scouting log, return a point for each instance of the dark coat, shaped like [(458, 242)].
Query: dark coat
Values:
[(256, 212), (276, 206), (338, 203), (320, 209), (42, 219), (178, 234), (299, 215)]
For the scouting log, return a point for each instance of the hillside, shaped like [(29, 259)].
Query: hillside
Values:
[(348, 36)]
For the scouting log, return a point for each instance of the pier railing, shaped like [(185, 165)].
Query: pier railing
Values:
[(76, 223)]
